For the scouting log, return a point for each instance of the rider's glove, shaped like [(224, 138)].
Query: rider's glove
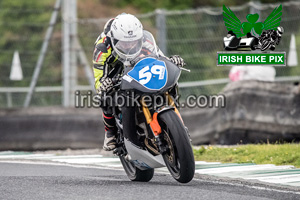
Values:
[(107, 84), (177, 60)]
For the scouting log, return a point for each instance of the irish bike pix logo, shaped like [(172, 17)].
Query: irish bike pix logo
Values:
[(252, 42)]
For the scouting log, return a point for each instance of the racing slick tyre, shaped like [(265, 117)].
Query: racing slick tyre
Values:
[(265, 45), (134, 173), (179, 157)]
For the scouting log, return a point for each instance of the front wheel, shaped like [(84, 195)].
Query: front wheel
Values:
[(179, 157), (134, 173), (265, 45)]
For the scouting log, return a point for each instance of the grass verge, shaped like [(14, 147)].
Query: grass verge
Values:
[(278, 154)]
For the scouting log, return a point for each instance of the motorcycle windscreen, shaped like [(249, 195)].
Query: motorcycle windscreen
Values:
[(151, 75)]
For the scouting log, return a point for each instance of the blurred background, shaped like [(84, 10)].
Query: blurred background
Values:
[(46, 46), (193, 29)]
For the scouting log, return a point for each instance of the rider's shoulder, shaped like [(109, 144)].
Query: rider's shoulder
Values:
[(103, 40), (102, 47)]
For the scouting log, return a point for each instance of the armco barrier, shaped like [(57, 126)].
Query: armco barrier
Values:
[(50, 128), (255, 112)]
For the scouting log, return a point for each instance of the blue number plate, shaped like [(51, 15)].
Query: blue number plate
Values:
[(150, 73)]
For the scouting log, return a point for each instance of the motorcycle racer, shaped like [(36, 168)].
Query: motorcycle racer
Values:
[(271, 37), (120, 42)]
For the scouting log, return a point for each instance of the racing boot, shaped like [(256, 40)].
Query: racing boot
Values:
[(110, 132)]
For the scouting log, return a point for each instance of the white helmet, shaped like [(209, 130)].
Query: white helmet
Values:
[(280, 30), (126, 36)]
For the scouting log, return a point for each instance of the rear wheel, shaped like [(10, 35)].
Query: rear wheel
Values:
[(179, 157), (134, 173)]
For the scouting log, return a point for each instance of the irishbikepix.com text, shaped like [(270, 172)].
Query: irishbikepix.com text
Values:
[(90, 100)]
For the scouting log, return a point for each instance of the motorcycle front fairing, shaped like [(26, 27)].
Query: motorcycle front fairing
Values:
[(150, 73), (147, 73)]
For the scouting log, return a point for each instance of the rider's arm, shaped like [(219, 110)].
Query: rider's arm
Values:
[(101, 56)]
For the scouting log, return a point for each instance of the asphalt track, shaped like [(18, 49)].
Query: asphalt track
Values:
[(26, 180)]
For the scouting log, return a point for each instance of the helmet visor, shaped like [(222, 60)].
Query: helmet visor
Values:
[(128, 48)]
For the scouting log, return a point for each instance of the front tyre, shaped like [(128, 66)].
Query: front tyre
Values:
[(179, 158), (134, 173), (265, 45)]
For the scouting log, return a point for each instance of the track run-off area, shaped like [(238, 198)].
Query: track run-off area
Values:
[(230, 181)]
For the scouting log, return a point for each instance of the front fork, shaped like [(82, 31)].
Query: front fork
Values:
[(153, 122)]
